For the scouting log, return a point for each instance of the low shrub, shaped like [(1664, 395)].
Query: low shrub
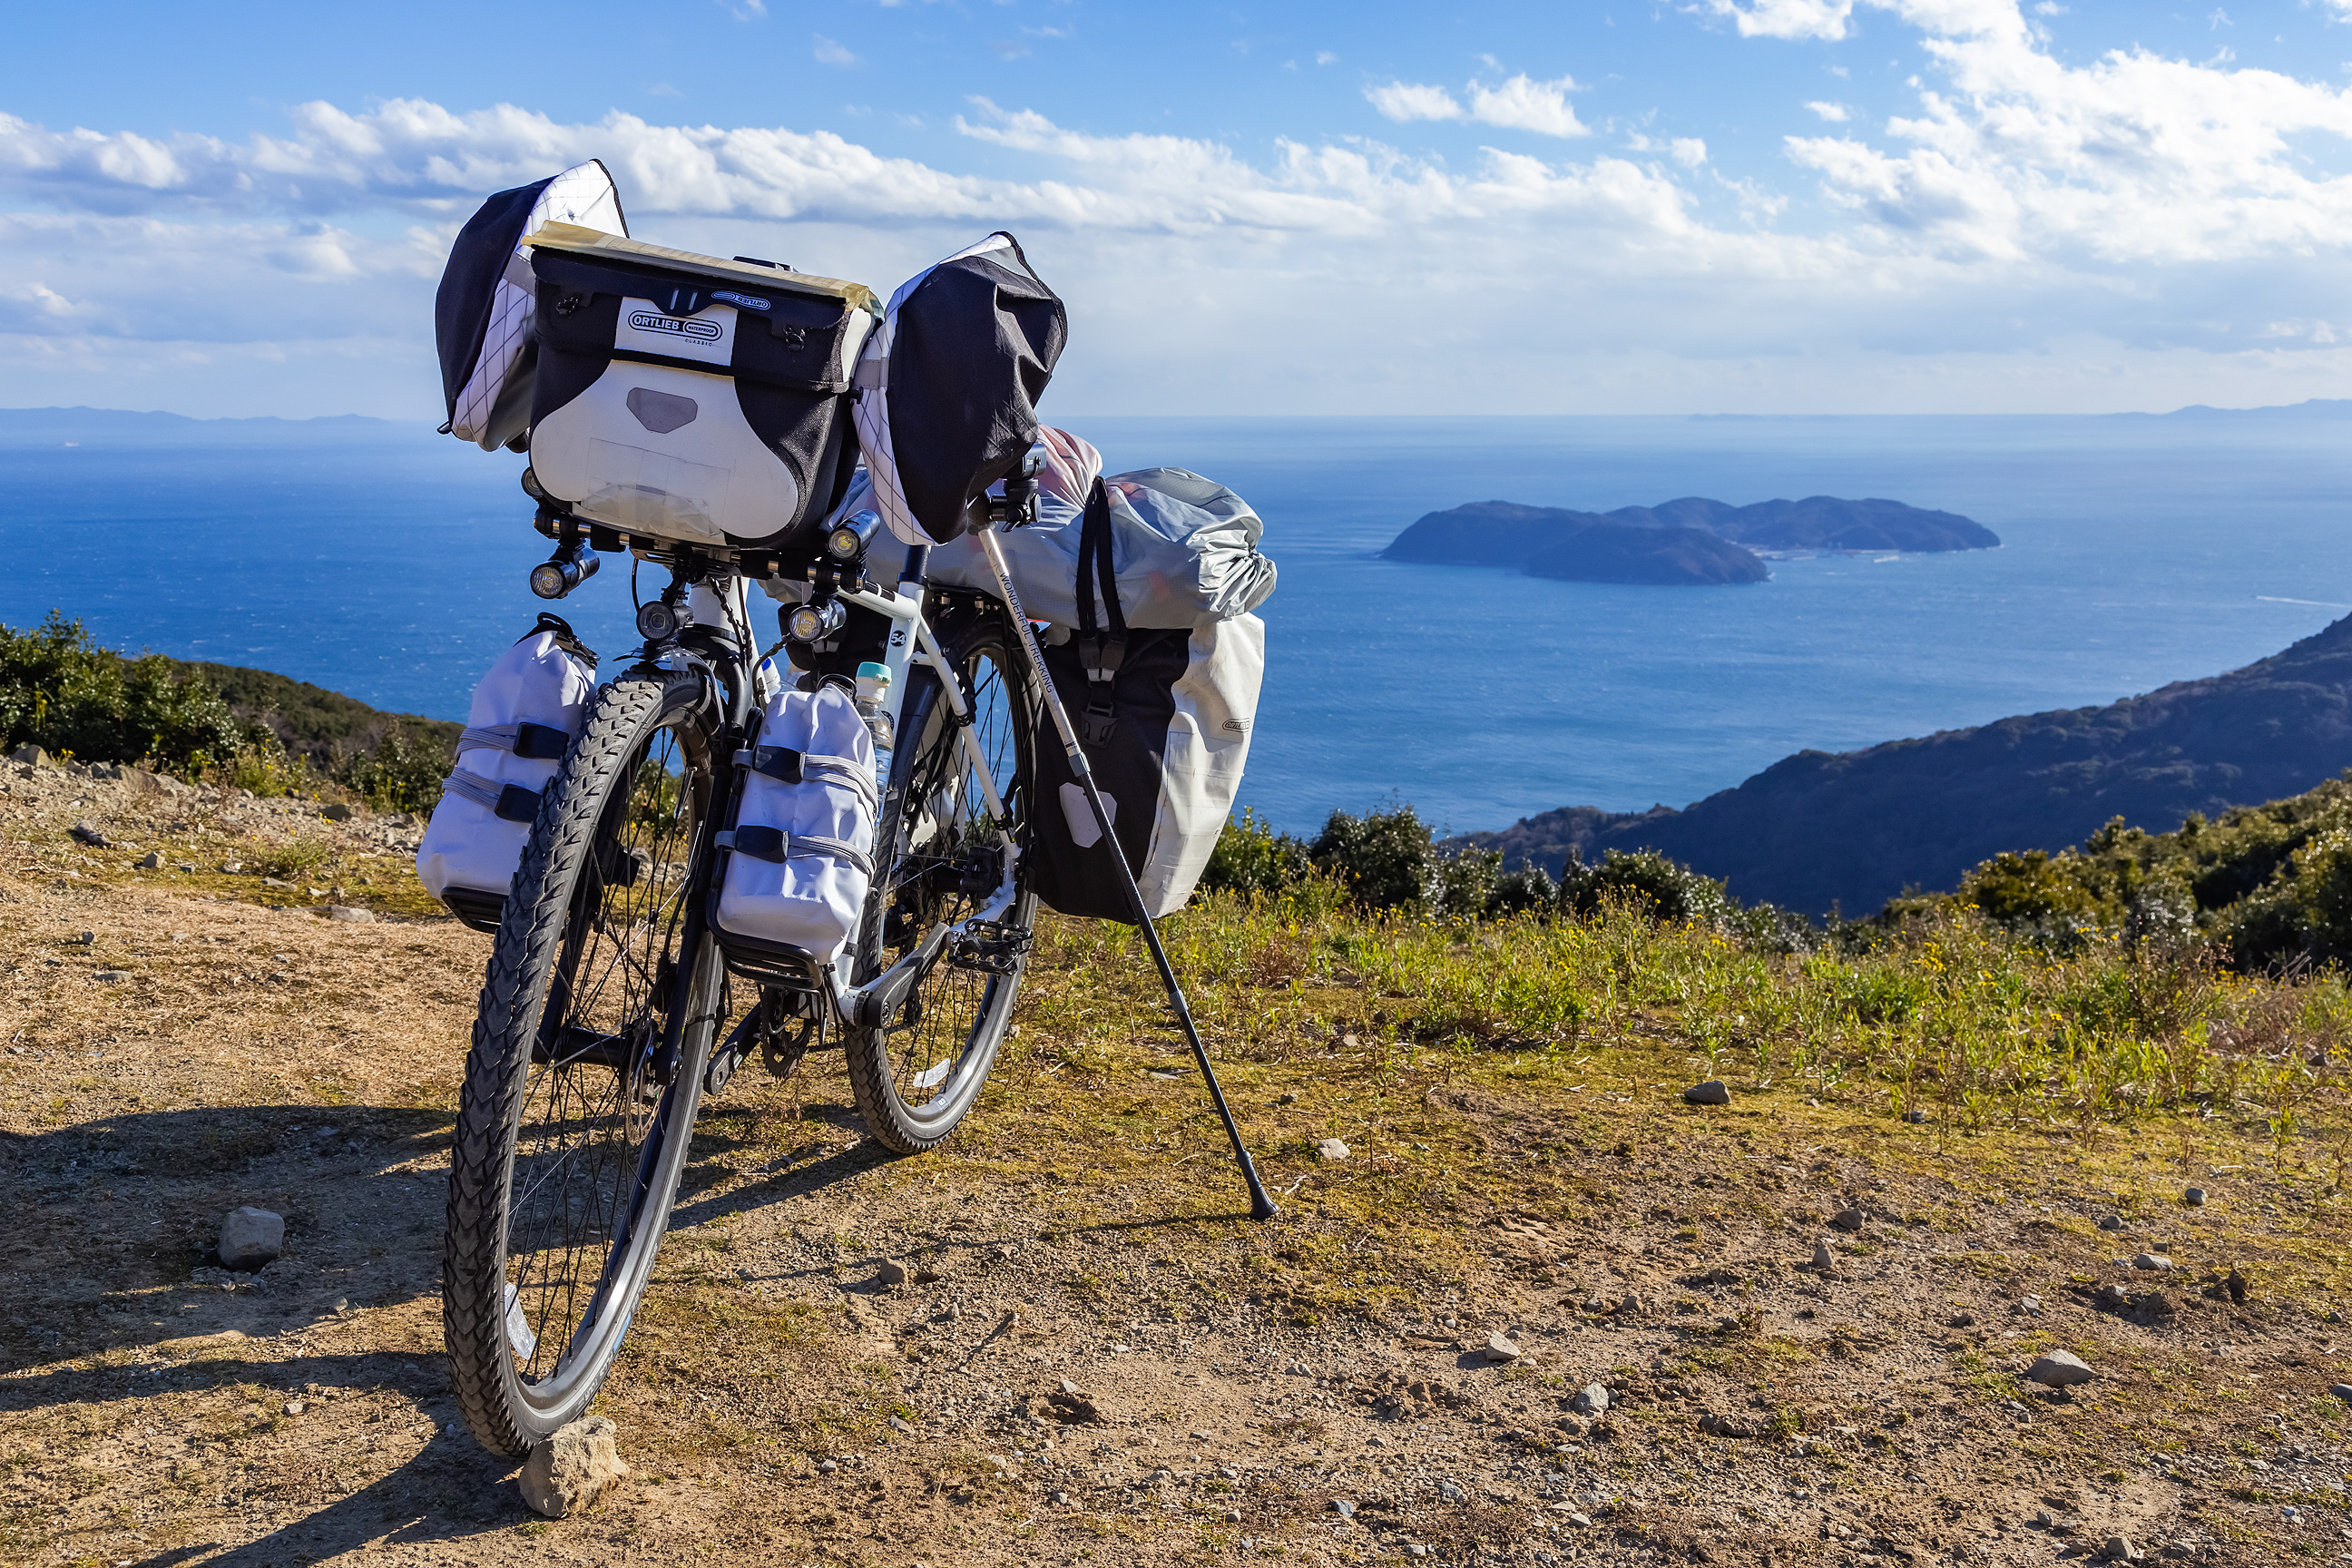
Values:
[(62, 692)]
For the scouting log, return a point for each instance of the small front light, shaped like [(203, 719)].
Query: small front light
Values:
[(814, 623), (657, 622), (849, 540)]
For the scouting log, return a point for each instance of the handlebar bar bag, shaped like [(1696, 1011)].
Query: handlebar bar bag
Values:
[(525, 715), (800, 855), (684, 398), (484, 314), (948, 386), (1185, 550)]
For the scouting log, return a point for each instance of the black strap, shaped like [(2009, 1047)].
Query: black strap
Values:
[(566, 638), (768, 844), (1101, 650), (779, 763)]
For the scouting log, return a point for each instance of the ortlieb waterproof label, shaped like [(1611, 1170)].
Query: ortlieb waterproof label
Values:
[(524, 715), (800, 855)]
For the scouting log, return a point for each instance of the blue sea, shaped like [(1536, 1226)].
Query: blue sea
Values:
[(389, 562)]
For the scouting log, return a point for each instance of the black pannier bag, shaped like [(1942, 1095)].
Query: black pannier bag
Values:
[(483, 316), (1164, 715), (687, 397), (948, 387)]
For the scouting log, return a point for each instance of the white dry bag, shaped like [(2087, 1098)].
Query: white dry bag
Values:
[(801, 853), (525, 713)]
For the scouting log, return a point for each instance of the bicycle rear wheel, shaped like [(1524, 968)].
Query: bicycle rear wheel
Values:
[(585, 1072), (940, 859)]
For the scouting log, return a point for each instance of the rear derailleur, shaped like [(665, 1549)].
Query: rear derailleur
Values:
[(990, 947)]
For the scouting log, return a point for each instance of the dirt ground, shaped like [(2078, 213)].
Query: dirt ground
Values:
[(1318, 1390)]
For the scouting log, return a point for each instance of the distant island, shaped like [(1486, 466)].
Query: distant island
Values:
[(1691, 542), (1856, 828)]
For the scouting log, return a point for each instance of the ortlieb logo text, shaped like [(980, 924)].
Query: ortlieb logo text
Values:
[(655, 322)]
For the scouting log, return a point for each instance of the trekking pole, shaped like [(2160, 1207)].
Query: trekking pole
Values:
[(1261, 1205)]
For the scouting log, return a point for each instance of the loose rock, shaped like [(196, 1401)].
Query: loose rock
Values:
[(2156, 1261), (1915, 1117), (2341, 1390), (1714, 1091), (2111, 1222), (573, 1468), (1499, 1347), (1849, 1219), (1451, 1491), (892, 1272), (1331, 1149), (1590, 1400), (153, 861), (1343, 1508), (1074, 1406), (1823, 1258), (84, 833), (2119, 1549), (30, 755), (2193, 1196), (251, 1238), (2060, 1369), (336, 812), (348, 912)]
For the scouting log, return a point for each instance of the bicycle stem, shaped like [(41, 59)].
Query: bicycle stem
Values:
[(1262, 1207)]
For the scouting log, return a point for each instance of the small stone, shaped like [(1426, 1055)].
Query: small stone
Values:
[(1714, 1091), (151, 861), (1074, 1406), (892, 1272), (1590, 1400), (231, 868), (1823, 1258), (2111, 1222), (351, 913), (2156, 1261), (276, 883), (84, 833), (2119, 1549), (1331, 1149), (251, 1238), (1451, 1491), (294, 1407), (111, 975), (2193, 1196), (336, 812), (572, 1469), (1501, 1348), (1287, 1098), (1915, 1117), (1964, 1319), (900, 1425), (32, 756), (1579, 1521), (86, 939), (185, 866), (2060, 1369), (1057, 1498), (2341, 1390), (2030, 1306), (1849, 1219), (1416, 1549), (827, 1466), (1343, 1508)]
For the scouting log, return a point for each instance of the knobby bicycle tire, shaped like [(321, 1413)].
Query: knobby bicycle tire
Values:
[(566, 1039), (916, 1075)]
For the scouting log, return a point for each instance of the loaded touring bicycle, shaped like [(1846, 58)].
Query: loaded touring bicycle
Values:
[(711, 854)]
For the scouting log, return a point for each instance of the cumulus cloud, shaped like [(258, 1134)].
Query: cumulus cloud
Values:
[(1519, 103), (829, 52), (1787, 18), (1835, 112), (2080, 224)]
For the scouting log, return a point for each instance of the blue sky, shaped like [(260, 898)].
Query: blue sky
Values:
[(1747, 205)]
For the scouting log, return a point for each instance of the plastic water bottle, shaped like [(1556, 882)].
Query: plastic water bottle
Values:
[(873, 690)]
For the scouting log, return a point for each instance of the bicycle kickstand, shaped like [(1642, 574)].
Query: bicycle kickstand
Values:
[(1262, 1207)]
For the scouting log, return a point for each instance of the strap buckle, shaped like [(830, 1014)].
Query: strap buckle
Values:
[(770, 844)]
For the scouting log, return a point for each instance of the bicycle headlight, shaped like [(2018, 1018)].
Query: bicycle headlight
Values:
[(848, 540), (815, 622)]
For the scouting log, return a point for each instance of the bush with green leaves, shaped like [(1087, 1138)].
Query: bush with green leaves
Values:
[(62, 692), (403, 774), (1252, 858), (1386, 859), (1672, 893)]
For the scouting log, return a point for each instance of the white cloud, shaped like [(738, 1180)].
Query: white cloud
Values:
[(1690, 151), (830, 53), (745, 10), (1519, 103), (1325, 57), (1837, 112), (1787, 18)]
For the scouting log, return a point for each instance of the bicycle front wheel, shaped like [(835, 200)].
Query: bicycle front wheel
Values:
[(585, 1072), (940, 859)]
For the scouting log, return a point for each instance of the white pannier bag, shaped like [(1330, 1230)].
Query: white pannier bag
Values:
[(525, 713), (801, 850), (485, 318)]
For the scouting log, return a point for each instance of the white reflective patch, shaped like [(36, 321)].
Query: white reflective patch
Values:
[(519, 1335), (931, 1076), (1085, 831)]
